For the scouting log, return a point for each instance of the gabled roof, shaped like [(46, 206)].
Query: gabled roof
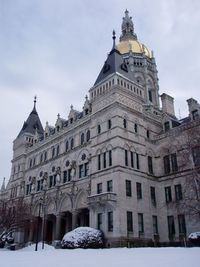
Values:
[(32, 123), (114, 64)]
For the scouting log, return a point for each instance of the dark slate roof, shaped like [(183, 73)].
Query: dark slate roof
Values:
[(32, 123), (114, 63), (185, 120)]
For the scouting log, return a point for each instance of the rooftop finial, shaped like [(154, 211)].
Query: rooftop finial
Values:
[(127, 28), (3, 187), (35, 100), (114, 37)]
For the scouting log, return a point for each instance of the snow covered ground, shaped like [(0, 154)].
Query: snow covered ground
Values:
[(119, 257)]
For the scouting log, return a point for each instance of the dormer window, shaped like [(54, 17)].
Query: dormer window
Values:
[(86, 111), (71, 120), (195, 115), (58, 128), (167, 126)]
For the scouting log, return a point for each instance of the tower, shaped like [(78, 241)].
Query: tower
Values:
[(31, 131)]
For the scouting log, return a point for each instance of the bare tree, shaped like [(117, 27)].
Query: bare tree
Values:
[(187, 144), (14, 215)]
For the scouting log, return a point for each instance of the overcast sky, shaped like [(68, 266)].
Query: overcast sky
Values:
[(55, 49)]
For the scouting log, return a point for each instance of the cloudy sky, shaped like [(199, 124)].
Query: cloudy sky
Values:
[(55, 49)]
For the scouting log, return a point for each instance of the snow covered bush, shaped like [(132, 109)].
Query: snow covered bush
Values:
[(83, 237), (194, 238)]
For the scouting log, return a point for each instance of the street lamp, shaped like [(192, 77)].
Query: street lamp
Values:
[(37, 234), (44, 186)]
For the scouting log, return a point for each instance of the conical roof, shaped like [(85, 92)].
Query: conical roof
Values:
[(113, 64), (32, 123)]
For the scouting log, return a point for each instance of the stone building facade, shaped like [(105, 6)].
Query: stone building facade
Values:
[(118, 164)]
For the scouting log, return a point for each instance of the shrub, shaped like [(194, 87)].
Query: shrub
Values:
[(83, 237)]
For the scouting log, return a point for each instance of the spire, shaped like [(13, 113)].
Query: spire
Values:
[(32, 122), (127, 28), (3, 187), (34, 106), (114, 37)]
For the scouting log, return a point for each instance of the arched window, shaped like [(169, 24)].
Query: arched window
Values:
[(53, 152), (109, 124), (98, 128), (82, 138), (66, 146), (88, 135), (57, 150), (45, 156), (72, 143), (125, 123)]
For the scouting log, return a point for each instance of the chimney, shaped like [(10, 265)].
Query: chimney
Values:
[(168, 104)]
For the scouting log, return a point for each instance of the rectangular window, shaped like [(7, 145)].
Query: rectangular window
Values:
[(168, 194), (50, 181), (140, 223), (128, 188), (86, 168), (135, 128), (81, 171), (110, 221), (174, 162), (104, 159), (171, 226), (137, 161), (28, 189), (125, 123), (166, 161), (150, 95), (155, 224), (109, 124), (39, 185), (150, 165), (99, 221), (110, 157), (64, 176), (132, 160), (178, 192), (109, 186), (129, 221), (54, 180), (126, 157), (99, 162), (139, 190), (99, 188), (153, 195), (181, 224), (69, 175)]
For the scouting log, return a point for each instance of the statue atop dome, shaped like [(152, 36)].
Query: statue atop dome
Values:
[(127, 28)]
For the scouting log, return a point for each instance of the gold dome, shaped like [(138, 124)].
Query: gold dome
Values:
[(134, 46)]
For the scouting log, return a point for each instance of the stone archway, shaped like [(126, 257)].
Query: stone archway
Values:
[(81, 210)]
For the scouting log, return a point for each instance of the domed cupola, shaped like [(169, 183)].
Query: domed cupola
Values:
[(128, 39)]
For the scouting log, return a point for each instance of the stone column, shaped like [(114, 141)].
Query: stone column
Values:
[(74, 219), (58, 227), (31, 232)]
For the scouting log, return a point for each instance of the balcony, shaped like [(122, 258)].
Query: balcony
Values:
[(102, 199)]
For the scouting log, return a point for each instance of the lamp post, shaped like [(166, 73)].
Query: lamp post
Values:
[(37, 234), (43, 221)]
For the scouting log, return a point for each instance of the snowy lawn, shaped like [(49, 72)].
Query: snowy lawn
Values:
[(118, 257)]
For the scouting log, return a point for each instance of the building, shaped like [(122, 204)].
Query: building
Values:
[(119, 165)]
